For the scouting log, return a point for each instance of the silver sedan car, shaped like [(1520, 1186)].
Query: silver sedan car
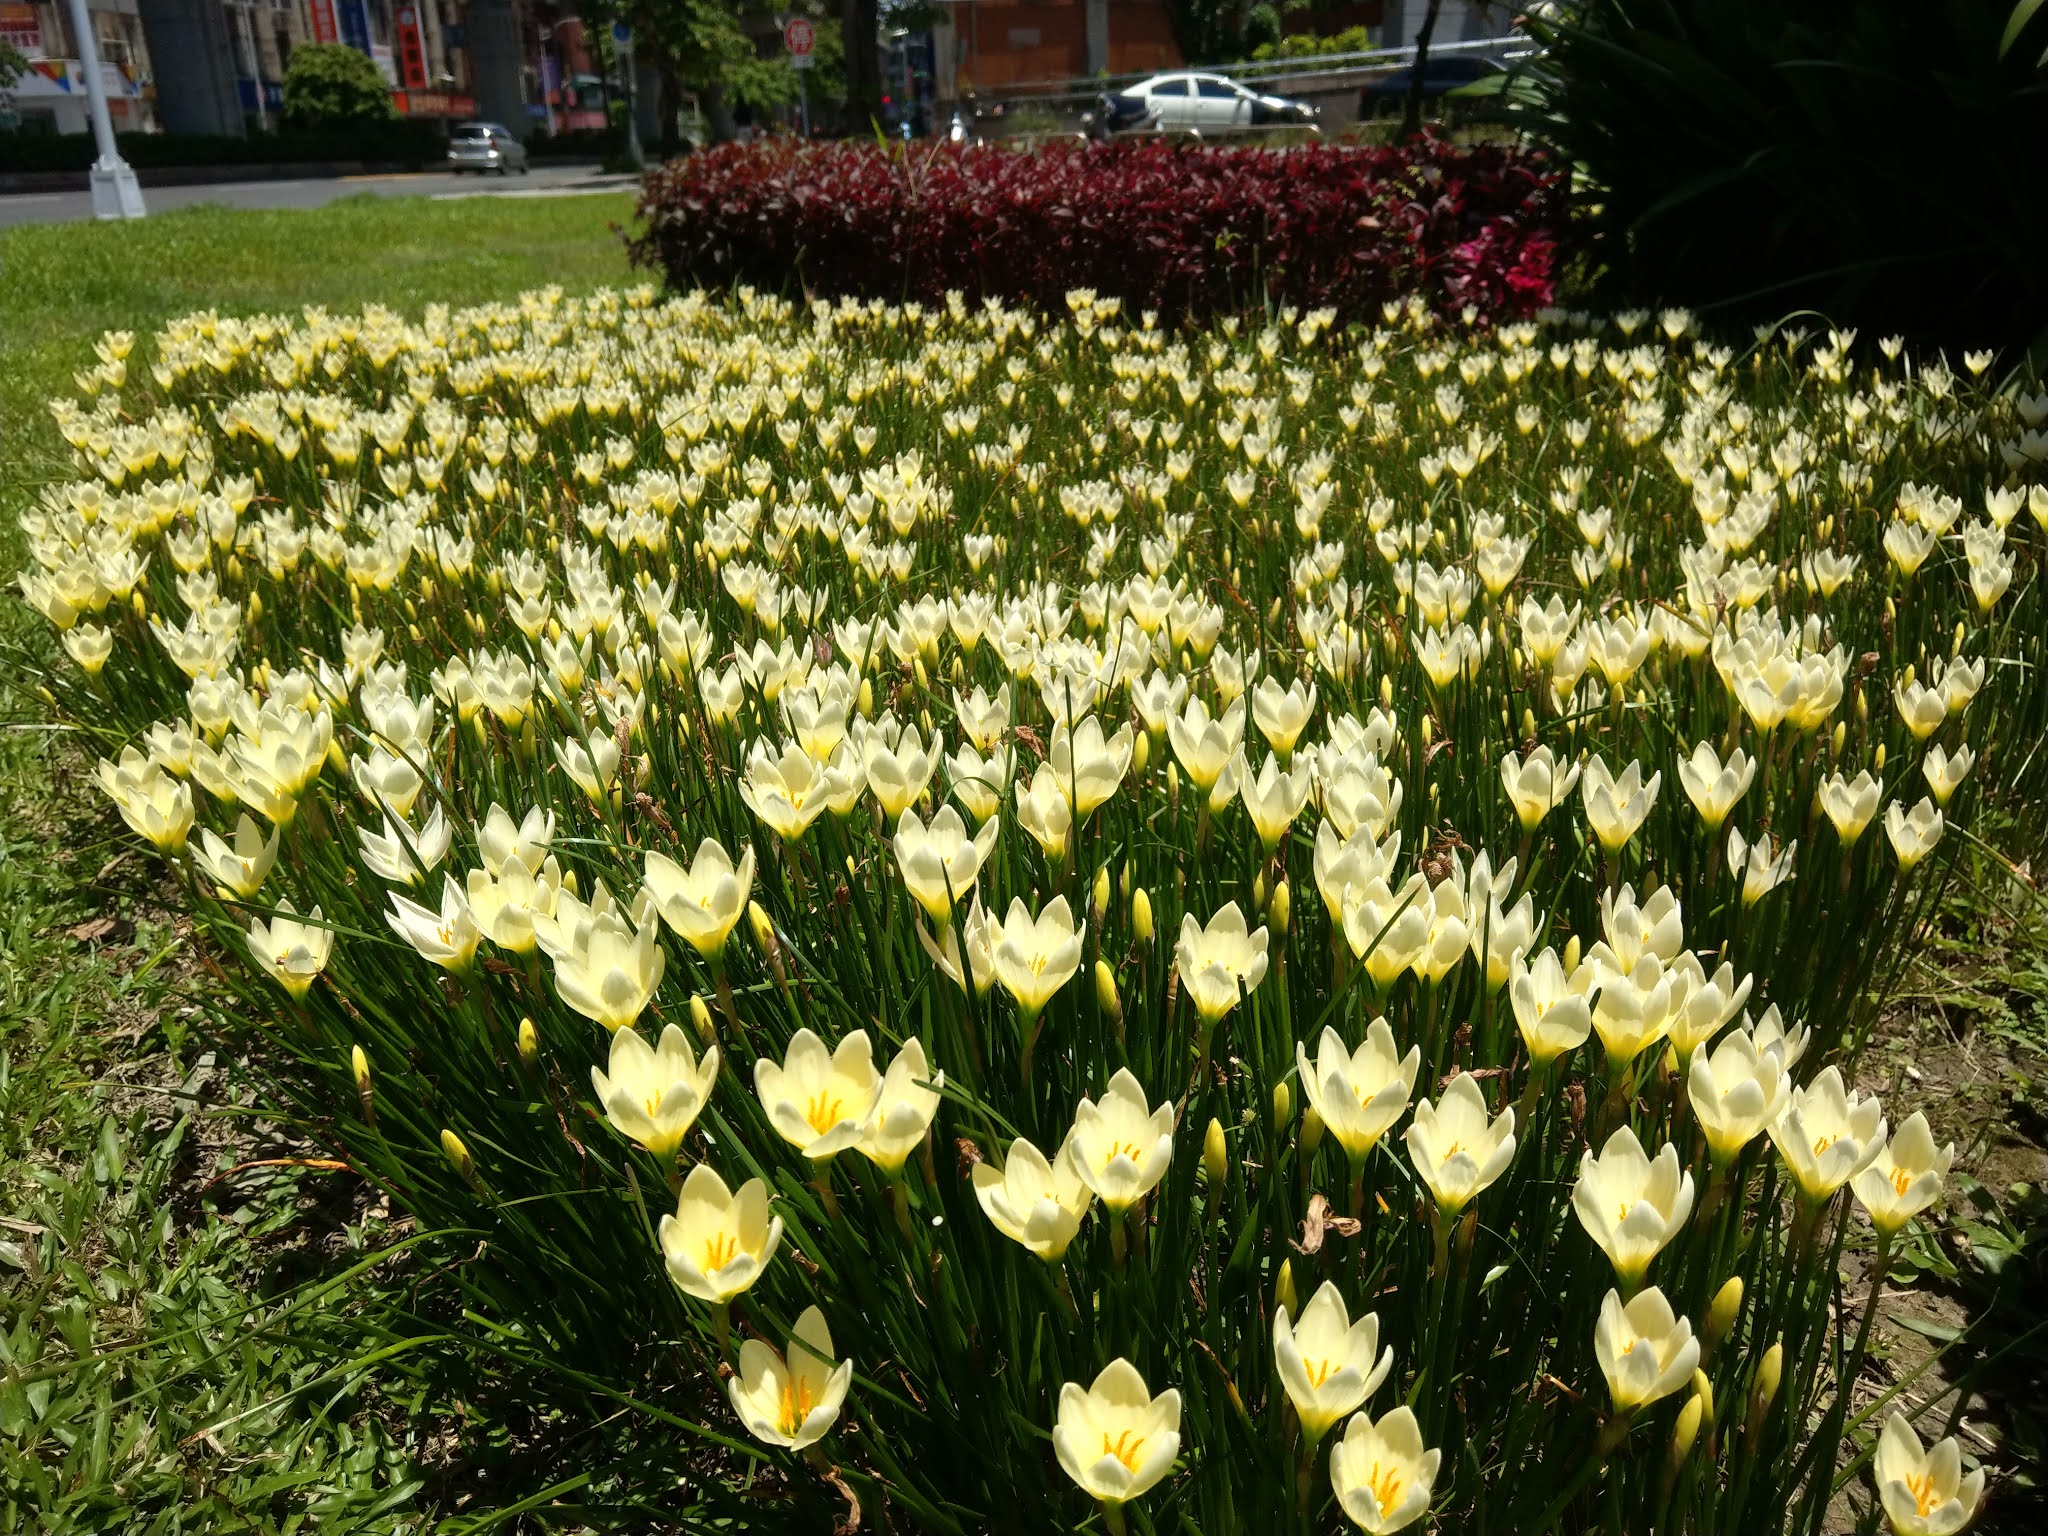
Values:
[(482, 147)]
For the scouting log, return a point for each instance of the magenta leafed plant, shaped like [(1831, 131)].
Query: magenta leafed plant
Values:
[(1185, 229)]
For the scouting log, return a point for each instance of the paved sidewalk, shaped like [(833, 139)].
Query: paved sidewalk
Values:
[(543, 181)]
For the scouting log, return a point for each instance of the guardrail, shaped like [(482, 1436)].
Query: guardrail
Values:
[(1505, 50)]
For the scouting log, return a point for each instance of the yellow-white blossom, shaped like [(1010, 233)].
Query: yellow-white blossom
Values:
[(1115, 1439), (791, 1401), (719, 1240), (653, 1094)]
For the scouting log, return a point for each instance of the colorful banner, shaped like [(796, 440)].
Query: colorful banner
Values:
[(325, 28), (412, 48), (21, 30)]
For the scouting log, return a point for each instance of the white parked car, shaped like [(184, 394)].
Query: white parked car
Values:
[(1186, 102)]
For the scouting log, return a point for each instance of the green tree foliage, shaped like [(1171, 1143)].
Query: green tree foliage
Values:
[(1876, 160), (330, 85)]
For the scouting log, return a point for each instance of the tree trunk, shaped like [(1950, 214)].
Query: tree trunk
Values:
[(717, 113), (858, 26), (1411, 111)]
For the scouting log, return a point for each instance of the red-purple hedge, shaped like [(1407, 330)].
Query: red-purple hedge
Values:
[(1181, 228)]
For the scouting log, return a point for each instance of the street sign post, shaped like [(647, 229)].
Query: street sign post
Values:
[(799, 38)]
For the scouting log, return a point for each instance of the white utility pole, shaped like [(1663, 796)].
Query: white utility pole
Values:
[(255, 63), (115, 194)]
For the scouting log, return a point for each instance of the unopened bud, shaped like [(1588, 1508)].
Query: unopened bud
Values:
[(1840, 738), (1283, 1288), (764, 928), (1259, 890), (1528, 724), (1141, 915), (1765, 1391), (1311, 1130), (700, 1017), (1173, 785), (1703, 1392), (1880, 757), (1105, 990), (1101, 893), (359, 1064), (1141, 752), (529, 1042), (1283, 1105), (1721, 1314), (1571, 954), (1280, 908), (867, 698), (1386, 690), (458, 1155), (1685, 1432), (1214, 1154)]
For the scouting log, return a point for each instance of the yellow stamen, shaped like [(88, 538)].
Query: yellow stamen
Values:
[(720, 1251), (1124, 1448), (1902, 1180), (1925, 1498), (797, 1404), (1385, 1483), (823, 1111), (1318, 1371)]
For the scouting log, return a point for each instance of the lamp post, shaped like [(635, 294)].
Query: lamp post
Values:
[(115, 194)]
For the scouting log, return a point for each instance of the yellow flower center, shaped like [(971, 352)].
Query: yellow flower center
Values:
[(797, 1404), (1453, 1150), (720, 1251), (823, 1111), (1124, 1447), (1319, 1371), (1902, 1180), (1822, 1143), (446, 934), (1128, 1149), (1385, 1483), (1925, 1499)]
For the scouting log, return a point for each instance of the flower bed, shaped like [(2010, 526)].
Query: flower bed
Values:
[(1177, 228), (1003, 915)]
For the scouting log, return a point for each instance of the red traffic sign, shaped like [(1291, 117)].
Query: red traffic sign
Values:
[(798, 37)]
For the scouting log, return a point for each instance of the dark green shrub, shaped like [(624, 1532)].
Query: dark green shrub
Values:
[(327, 84), (1880, 161)]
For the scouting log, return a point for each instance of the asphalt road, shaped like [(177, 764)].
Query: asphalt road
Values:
[(542, 181)]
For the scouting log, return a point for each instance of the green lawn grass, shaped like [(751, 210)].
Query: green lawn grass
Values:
[(181, 1351)]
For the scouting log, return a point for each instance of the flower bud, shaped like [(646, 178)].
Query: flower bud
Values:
[(1571, 954), (1141, 915), (1105, 990), (1141, 752), (867, 699), (1259, 890), (1311, 1130), (1765, 1391), (1283, 1288), (1280, 908), (529, 1042), (1101, 893), (1214, 1154), (700, 1018), (1841, 736), (458, 1155), (1685, 1432), (764, 928), (1721, 1314), (1703, 1393), (1283, 1105), (359, 1064)]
